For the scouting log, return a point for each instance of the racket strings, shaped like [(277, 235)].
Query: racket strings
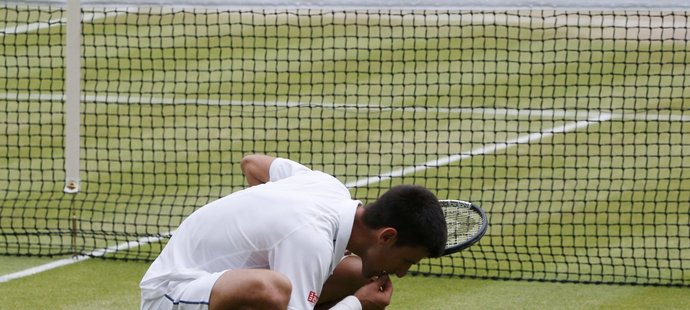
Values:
[(463, 221)]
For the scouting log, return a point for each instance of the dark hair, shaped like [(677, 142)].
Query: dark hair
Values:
[(415, 213)]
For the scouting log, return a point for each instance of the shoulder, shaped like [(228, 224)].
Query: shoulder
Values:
[(293, 174), (282, 168)]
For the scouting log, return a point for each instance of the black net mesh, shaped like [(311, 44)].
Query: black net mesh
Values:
[(569, 128)]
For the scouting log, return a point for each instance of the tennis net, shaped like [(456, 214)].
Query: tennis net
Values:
[(568, 126)]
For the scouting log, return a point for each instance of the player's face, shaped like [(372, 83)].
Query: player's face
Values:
[(391, 259)]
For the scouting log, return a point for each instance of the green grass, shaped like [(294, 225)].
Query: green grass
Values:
[(98, 284), (12, 264), (171, 108), (85, 285), (445, 293)]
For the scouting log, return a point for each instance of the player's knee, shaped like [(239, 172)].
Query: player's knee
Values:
[(280, 291), (251, 289), (272, 292)]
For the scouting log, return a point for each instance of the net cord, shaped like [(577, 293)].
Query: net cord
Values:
[(667, 5)]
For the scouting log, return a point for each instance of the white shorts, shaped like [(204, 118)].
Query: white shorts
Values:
[(188, 295)]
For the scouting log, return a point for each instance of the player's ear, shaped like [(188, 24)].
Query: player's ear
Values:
[(388, 235)]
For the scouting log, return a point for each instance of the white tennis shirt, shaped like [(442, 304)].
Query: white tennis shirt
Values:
[(297, 224)]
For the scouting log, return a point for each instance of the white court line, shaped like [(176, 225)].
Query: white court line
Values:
[(78, 258), (487, 149), (31, 27), (18, 29), (547, 113)]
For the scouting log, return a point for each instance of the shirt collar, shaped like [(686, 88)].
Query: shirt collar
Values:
[(347, 219)]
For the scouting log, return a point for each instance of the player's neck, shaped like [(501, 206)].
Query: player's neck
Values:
[(361, 235)]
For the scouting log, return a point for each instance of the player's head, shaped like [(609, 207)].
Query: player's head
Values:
[(415, 213)]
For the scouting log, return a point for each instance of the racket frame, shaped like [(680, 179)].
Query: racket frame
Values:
[(478, 235)]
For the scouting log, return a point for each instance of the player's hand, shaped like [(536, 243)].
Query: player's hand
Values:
[(376, 294)]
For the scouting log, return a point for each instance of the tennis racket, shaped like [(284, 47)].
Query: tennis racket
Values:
[(466, 223)]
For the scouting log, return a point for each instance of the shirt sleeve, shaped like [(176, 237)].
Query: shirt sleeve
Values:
[(282, 168), (348, 303), (305, 259)]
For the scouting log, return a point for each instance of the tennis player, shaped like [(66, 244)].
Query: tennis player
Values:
[(285, 242)]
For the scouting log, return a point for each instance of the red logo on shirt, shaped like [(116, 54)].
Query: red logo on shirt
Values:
[(312, 298)]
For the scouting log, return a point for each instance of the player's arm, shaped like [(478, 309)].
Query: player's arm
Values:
[(256, 168), (260, 169), (376, 295), (347, 289)]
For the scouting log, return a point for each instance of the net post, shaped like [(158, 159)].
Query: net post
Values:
[(72, 111), (72, 96)]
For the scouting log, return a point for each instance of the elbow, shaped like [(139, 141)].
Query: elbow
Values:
[(245, 163), (255, 168), (249, 164)]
